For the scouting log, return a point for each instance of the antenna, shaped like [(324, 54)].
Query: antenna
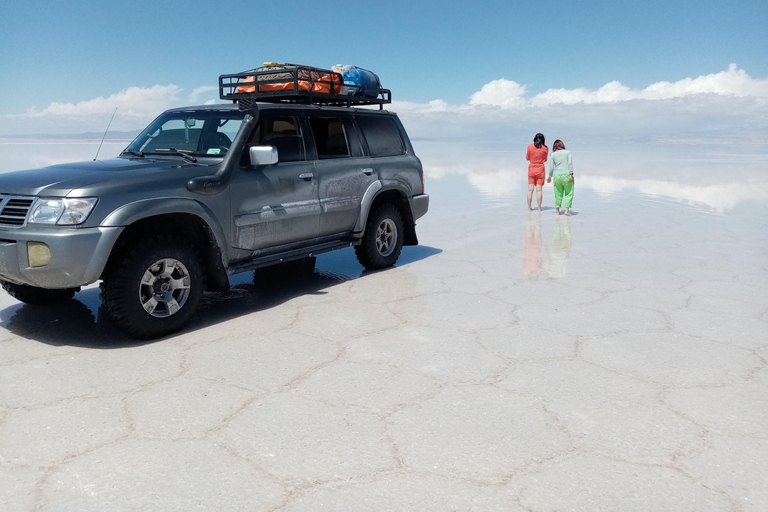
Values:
[(105, 134)]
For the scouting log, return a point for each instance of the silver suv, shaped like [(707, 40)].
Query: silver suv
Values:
[(204, 193)]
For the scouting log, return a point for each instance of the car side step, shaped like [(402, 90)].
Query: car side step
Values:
[(281, 257)]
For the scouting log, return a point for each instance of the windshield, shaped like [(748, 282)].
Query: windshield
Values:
[(193, 133)]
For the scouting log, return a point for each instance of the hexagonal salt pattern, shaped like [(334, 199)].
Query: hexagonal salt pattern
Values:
[(623, 368), (338, 442), (591, 483), (478, 432), (157, 475), (406, 491)]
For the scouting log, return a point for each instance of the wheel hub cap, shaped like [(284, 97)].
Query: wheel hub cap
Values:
[(386, 236), (164, 288)]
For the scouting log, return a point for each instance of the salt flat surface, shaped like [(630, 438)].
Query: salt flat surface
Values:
[(613, 360)]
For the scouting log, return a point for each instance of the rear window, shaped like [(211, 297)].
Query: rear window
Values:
[(382, 135)]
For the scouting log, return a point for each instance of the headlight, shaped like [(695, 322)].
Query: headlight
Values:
[(62, 211)]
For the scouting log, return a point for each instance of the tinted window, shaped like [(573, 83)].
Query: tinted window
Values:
[(281, 132), (382, 135), (330, 139)]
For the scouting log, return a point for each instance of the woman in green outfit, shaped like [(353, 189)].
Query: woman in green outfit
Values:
[(561, 166)]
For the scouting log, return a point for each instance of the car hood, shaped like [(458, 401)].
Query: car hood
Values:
[(60, 180)]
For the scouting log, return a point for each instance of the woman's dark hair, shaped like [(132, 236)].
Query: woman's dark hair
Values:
[(558, 144), (538, 140)]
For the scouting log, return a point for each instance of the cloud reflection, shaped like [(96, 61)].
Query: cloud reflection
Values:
[(715, 177), (720, 197), (719, 178)]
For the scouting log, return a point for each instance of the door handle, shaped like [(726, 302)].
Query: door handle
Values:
[(306, 176), (367, 171)]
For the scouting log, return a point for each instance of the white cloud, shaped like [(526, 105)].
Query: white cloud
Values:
[(133, 101), (507, 94), (500, 93), (199, 92), (728, 104)]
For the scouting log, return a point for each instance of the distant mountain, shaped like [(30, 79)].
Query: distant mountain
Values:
[(96, 136)]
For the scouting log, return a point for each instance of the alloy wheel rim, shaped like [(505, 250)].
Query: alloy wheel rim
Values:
[(386, 236), (164, 288)]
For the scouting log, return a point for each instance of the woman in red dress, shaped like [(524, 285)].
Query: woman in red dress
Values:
[(536, 155)]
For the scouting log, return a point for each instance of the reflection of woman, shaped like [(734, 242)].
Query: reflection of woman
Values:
[(561, 173), (536, 155), (532, 265), (560, 248)]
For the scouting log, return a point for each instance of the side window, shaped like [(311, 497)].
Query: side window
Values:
[(382, 135), (282, 132), (330, 138)]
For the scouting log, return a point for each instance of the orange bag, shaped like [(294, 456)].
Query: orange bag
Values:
[(322, 85)]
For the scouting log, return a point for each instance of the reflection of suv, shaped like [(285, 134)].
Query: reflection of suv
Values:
[(204, 193)]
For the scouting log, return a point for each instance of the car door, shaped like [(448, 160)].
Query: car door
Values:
[(275, 205), (343, 171)]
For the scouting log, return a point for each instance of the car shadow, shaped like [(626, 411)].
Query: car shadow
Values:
[(83, 321)]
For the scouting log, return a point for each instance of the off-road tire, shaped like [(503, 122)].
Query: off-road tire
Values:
[(383, 238), (38, 296), (135, 280)]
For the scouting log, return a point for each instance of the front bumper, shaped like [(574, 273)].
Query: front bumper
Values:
[(78, 256)]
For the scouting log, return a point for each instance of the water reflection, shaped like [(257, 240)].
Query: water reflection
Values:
[(559, 248), (718, 178), (19, 154), (83, 321), (720, 197), (532, 264), (535, 266)]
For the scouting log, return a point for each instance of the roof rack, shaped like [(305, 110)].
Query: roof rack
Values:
[(294, 83)]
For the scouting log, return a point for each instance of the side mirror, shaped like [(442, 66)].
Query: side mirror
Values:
[(262, 155)]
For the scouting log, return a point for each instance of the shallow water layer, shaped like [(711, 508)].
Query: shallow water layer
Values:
[(514, 360)]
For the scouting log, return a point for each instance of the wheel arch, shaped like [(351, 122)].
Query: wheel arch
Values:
[(376, 196), (174, 216)]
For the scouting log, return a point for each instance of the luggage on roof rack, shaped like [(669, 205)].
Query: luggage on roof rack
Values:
[(294, 83)]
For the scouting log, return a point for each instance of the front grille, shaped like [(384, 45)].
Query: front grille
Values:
[(14, 210)]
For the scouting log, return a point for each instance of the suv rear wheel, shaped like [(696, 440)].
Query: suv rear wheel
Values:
[(383, 238), (155, 289), (38, 296)]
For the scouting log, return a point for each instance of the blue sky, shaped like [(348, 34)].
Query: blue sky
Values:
[(54, 52)]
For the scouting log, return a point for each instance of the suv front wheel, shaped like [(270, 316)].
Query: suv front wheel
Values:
[(155, 289), (383, 238)]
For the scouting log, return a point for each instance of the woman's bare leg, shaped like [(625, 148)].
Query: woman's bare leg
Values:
[(530, 195), (539, 195)]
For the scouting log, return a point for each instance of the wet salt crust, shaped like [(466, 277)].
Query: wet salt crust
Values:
[(614, 360)]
